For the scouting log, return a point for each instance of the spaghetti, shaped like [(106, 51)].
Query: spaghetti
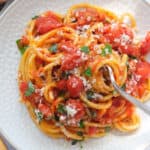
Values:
[(62, 76)]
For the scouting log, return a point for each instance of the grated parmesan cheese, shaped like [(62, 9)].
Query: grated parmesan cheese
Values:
[(70, 111)]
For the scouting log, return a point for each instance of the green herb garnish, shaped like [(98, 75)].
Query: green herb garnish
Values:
[(39, 115), (89, 94), (53, 48), (35, 17), (107, 129), (30, 90), (88, 72), (106, 50), (21, 48), (85, 49), (81, 124), (61, 109)]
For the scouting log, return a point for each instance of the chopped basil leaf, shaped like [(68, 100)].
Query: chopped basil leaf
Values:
[(39, 115), (89, 94), (107, 129), (106, 50), (85, 49), (35, 17), (22, 49), (88, 72), (74, 142), (123, 86), (30, 90), (81, 124), (53, 48), (61, 109), (80, 133)]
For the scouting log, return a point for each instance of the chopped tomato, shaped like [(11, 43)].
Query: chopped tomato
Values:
[(75, 86), (24, 41), (46, 23), (121, 37), (145, 44), (67, 46), (141, 89), (45, 110), (71, 61), (87, 15), (61, 85), (23, 87), (131, 50), (130, 108), (143, 70), (78, 106), (92, 130)]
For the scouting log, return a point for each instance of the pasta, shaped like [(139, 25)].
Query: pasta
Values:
[(62, 76)]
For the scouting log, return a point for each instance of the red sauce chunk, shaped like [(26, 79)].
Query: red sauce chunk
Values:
[(75, 86), (48, 22)]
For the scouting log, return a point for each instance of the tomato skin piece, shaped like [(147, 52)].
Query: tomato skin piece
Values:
[(132, 50), (23, 87), (61, 85), (78, 106), (145, 44), (92, 130), (143, 69), (83, 15), (75, 86), (67, 47), (46, 23), (45, 110)]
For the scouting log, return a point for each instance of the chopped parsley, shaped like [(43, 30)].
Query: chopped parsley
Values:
[(81, 124), (88, 72), (30, 90), (89, 94), (85, 49), (106, 50), (61, 109), (53, 48), (21, 48), (39, 115), (107, 129), (35, 17)]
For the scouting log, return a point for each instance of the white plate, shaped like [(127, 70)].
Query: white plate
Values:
[(14, 119)]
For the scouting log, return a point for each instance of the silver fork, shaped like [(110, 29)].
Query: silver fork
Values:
[(130, 98)]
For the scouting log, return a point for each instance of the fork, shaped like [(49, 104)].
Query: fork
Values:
[(130, 98)]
